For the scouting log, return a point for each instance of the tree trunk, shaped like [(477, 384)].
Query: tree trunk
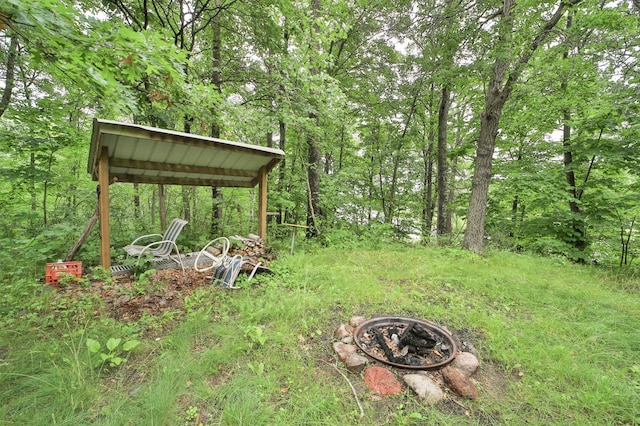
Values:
[(282, 131), (216, 79), (427, 159), (216, 212), (489, 121), (282, 167), (186, 204), (451, 188), (390, 210), (32, 185), (45, 189), (313, 182), (136, 200), (341, 155), (514, 216), (578, 240), (625, 242), (315, 155), (8, 82), (427, 187), (499, 90), (162, 206), (443, 118)]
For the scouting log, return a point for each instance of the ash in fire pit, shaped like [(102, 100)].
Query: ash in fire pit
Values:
[(405, 342)]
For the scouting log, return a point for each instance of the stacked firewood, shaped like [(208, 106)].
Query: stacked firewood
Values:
[(252, 247)]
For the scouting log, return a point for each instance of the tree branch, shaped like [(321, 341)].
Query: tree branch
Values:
[(523, 60)]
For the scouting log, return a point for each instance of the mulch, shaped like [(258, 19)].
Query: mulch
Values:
[(127, 300)]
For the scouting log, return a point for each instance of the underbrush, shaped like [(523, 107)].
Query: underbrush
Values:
[(558, 344)]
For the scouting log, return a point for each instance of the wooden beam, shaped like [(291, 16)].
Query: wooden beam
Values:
[(168, 180), (262, 204), (180, 168), (103, 181)]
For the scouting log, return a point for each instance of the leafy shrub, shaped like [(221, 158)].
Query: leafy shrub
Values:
[(112, 355)]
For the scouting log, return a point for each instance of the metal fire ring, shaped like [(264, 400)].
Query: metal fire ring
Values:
[(390, 321)]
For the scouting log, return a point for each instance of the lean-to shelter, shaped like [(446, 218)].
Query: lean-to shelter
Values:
[(133, 153)]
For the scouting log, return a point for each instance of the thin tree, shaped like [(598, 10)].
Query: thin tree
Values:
[(505, 73)]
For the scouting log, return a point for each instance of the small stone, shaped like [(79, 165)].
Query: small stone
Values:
[(122, 300), (425, 388), (356, 321), (468, 347), (459, 382), (355, 362), (341, 332), (347, 340), (381, 381), (466, 362), (343, 349)]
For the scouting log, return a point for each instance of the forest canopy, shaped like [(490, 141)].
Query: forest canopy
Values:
[(495, 123)]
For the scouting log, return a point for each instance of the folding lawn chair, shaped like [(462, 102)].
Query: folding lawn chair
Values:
[(162, 248), (225, 268)]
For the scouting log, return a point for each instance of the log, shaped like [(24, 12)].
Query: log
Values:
[(84, 235)]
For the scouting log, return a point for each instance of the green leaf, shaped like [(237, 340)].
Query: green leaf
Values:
[(93, 346), (129, 345), (116, 361), (113, 343)]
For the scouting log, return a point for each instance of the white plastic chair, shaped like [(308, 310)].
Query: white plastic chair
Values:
[(210, 251), (162, 248), (225, 268)]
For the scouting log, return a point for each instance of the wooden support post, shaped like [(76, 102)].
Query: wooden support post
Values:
[(262, 204), (103, 181)]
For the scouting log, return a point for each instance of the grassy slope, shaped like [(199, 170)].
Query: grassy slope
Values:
[(558, 344)]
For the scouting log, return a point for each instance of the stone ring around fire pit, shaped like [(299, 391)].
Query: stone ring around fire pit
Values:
[(406, 343)]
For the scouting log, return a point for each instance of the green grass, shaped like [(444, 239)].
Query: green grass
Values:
[(558, 344)]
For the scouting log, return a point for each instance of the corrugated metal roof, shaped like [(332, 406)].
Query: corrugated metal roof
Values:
[(143, 154)]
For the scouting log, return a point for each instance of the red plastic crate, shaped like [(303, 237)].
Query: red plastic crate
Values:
[(56, 270)]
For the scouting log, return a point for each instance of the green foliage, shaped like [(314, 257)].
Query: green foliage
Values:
[(544, 328), (69, 279), (198, 304), (190, 415), (111, 356), (142, 266), (96, 54), (142, 283), (376, 103), (255, 335), (102, 274), (361, 80), (257, 369)]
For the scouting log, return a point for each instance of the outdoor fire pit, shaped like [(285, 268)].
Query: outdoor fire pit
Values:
[(405, 342)]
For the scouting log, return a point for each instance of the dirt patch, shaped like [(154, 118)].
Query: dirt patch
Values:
[(127, 299)]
